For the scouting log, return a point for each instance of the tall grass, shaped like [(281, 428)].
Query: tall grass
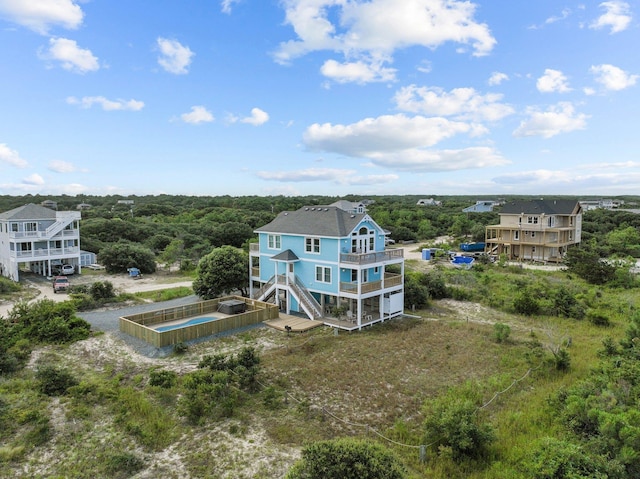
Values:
[(165, 294)]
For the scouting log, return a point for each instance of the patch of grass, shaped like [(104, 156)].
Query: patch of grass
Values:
[(150, 424), (165, 294)]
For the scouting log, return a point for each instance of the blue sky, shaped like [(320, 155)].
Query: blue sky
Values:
[(330, 97)]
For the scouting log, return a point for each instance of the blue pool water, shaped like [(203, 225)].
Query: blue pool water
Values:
[(191, 322)]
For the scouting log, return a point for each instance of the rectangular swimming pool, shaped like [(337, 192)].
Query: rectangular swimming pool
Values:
[(191, 322)]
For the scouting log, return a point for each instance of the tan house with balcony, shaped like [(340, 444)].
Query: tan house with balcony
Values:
[(36, 238), (535, 230)]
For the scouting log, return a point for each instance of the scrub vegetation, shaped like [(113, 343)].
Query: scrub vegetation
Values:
[(499, 372)]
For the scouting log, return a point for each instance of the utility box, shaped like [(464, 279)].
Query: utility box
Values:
[(232, 306)]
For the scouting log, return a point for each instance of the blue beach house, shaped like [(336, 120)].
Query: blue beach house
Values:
[(330, 264)]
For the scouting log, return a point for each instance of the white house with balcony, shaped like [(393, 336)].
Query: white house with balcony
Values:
[(328, 264), (36, 238)]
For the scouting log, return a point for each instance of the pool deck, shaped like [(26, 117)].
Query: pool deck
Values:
[(297, 324)]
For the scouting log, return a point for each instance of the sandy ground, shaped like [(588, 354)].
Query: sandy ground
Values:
[(43, 289)]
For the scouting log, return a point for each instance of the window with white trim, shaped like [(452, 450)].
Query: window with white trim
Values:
[(312, 245), (516, 235), (31, 227), (274, 241), (532, 220), (323, 274)]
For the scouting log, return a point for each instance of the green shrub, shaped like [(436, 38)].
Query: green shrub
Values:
[(453, 423), (271, 398), (123, 465), (118, 257), (7, 286), (47, 321), (416, 295), (54, 381), (501, 332), (553, 458), (598, 318), (525, 303), (164, 379), (102, 290), (83, 301), (561, 359), (180, 348), (347, 459)]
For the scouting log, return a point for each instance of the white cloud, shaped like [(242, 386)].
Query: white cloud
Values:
[(571, 180), (108, 105), (335, 175), (226, 5), (617, 16), (309, 174), (553, 81), (41, 15), (258, 117), (370, 31), (357, 72), (560, 118), (401, 142), (368, 180), (371, 136), (11, 157), (556, 18), (72, 57), (462, 103), (174, 57), (417, 159), (198, 114), (60, 166), (613, 78), (553, 19), (497, 78), (34, 179)]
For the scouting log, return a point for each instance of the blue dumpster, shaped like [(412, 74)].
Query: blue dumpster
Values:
[(426, 253)]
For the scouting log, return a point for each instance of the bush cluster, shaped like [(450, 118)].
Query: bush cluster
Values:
[(45, 322), (216, 389)]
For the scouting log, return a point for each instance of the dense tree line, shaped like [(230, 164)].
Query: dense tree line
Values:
[(178, 228)]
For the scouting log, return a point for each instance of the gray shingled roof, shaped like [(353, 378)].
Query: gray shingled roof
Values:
[(536, 207), (29, 212), (328, 221), (286, 255)]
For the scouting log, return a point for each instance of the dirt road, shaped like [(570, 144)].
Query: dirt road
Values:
[(43, 289)]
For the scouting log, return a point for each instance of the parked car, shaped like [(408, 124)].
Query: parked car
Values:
[(64, 269), (60, 284)]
